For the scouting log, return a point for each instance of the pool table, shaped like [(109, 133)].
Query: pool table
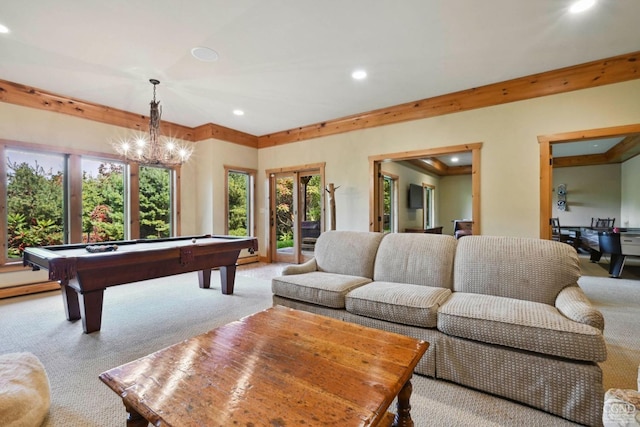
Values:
[(85, 271)]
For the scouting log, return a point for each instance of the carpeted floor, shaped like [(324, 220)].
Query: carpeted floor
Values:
[(144, 317)]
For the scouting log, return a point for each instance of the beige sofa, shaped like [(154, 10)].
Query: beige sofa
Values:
[(503, 315)]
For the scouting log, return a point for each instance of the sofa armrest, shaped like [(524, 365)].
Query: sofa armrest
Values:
[(306, 267), (573, 303)]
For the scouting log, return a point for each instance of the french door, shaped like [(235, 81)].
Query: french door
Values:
[(296, 212)]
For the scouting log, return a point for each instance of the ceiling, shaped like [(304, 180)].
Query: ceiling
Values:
[(288, 64)]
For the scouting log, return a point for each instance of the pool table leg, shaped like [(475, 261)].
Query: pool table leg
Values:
[(204, 278), (91, 309), (227, 278), (70, 301)]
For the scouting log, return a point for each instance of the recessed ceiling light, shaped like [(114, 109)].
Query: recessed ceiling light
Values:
[(359, 74), (581, 6), (238, 112), (455, 159), (204, 54), (3, 29)]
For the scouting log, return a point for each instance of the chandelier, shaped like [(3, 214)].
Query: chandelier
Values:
[(153, 148)]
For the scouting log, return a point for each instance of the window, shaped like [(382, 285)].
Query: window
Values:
[(49, 197), (155, 202), (103, 201), (35, 185), (239, 185)]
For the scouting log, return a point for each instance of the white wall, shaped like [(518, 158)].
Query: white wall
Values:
[(630, 208), (592, 192), (204, 195), (510, 171), (455, 200), (509, 157)]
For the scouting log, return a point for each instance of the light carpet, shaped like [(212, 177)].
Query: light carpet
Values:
[(143, 317)]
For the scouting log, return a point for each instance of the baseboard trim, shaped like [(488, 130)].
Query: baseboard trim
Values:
[(34, 288)]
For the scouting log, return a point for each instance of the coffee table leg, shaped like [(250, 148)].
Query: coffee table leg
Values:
[(403, 415), (134, 419)]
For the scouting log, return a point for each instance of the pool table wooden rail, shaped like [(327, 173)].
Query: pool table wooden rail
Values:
[(84, 276)]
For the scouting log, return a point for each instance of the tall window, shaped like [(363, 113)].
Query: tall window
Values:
[(239, 185), (155, 202), (103, 201), (35, 185)]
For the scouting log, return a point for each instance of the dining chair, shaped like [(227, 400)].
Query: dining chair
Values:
[(602, 222), (558, 235)]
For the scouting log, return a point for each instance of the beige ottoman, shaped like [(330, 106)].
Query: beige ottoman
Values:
[(24, 390)]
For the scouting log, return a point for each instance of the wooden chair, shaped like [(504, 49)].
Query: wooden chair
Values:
[(558, 235), (602, 222)]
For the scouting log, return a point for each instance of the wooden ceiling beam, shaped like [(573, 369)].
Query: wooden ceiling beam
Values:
[(624, 150), (210, 130), (460, 170), (585, 160), (597, 73), (26, 96), (436, 164), (425, 167), (436, 167), (621, 152)]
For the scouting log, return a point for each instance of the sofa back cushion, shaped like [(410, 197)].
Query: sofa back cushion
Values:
[(515, 267), (416, 259), (347, 252)]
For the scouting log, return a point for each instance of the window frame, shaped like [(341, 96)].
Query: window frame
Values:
[(73, 194), (252, 174)]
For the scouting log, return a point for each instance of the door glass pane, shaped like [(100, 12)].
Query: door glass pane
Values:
[(311, 209), (102, 201), (387, 219), (284, 214), (239, 223), (35, 200), (155, 202), (428, 210)]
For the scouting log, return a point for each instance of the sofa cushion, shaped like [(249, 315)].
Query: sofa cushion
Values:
[(347, 252), (526, 325), (418, 259), (398, 302), (515, 267), (327, 289)]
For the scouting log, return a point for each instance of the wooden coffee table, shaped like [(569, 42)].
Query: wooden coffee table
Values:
[(278, 367)]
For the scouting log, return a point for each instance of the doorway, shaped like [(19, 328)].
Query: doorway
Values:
[(546, 142), (296, 212), (376, 181)]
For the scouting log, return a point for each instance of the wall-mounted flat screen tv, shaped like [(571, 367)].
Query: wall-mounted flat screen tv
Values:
[(416, 196)]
